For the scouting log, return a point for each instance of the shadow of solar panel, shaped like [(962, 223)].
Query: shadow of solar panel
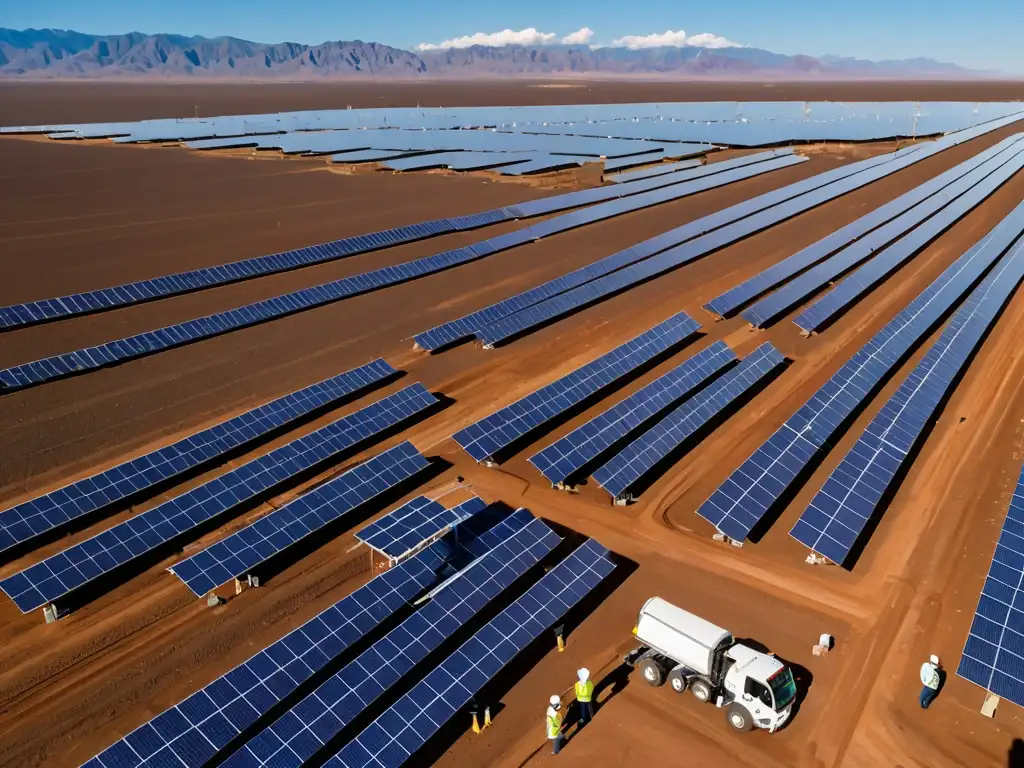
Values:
[(307, 727), (839, 513), (398, 733), (477, 540), (757, 485), (66, 571), (240, 552), (196, 729), (728, 302), (489, 436), (566, 457), (991, 657), (402, 529), (44, 513), (654, 445)]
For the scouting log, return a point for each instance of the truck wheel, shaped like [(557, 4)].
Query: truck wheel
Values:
[(701, 690), (739, 718), (677, 680), (652, 672)]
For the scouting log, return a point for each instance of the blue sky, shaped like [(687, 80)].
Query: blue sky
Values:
[(983, 34)]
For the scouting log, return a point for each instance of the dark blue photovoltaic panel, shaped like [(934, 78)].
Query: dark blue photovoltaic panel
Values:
[(637, 458), (992, 654), (839, 512), (411, 524), (746, 495), (892, 258), (242, 551), (308, 726), (564, 458), (654, 171), (398, 733), (68, 570), (478, 541), (728, 302), (192, 732), (485, 438), (29, 519)]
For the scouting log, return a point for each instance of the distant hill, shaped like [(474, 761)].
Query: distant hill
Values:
[(56, 53)]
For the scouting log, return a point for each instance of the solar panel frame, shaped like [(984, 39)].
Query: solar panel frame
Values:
[(402, 529), (567, 456), (41, 514), (396, 735), (634, 461), (491, 435)]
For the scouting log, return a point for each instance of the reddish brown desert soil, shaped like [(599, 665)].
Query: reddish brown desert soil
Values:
[(79, 217)]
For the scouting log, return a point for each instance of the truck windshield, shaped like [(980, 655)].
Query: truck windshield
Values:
[(783, 687)]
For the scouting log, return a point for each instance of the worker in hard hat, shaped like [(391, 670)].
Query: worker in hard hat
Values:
[(554, 723), (584, 696), (931, 679)]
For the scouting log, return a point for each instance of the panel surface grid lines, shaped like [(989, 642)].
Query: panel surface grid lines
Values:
[(64, 572), (751, 490), (43, 513), (563, 458), (193, 731), (993, 656), (488, 436), (400, 731), (307, 727), (637, 458), (411, 524), (241, 551), (840, 510)]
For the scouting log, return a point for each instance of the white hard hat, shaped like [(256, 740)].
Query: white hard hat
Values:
[(583, 674), (555, 701), (934, 659)]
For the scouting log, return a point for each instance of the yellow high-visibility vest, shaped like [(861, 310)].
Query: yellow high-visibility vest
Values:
[(585, 691), (554, 725)]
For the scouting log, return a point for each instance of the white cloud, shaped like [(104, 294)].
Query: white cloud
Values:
[(579, 37), (497, 39), (668, 38)]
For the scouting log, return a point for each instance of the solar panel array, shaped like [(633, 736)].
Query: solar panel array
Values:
[(654, 171), (193, 731), (66, 571), (732, 299), (837, 515), (567, 456), (867, 276), (993, 652), (487, 437), (149, 342), (36, 516), (750, 491), (242, 551), (654, 445), (398, 733), (414, 522), (306, 728)]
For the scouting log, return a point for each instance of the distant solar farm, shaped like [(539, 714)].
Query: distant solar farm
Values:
[(349, 501)]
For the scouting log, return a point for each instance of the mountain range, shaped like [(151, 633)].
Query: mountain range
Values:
[(55, 53)]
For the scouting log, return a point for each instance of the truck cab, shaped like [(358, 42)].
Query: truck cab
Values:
[(691, 653)]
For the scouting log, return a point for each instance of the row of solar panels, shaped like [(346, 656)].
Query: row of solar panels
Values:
[(264, 712), (835, 521), (186, 515), (149, 342)]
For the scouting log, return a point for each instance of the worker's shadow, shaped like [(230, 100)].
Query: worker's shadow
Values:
[(604, 691), (1015, 757)]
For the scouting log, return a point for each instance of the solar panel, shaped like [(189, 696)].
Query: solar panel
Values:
[(193, 731), (566, 457), (397, 532), (867, 276), (727, 303), (640, 456), (992, 654), (398, 733), (653, 172), (242, 551), (66, 571), (750, 491), (478, 540), (310, 725), (38, 515), (492, 434), (837, 515)]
